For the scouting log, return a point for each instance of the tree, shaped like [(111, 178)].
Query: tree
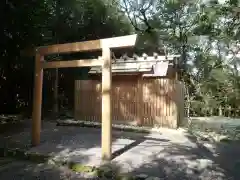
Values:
[(27, 24), (203, 33)]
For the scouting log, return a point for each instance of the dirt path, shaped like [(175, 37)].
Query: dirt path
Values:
[(169, 154), (11, 169)]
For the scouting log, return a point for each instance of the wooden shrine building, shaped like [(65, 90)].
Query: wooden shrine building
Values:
[(145, 91)]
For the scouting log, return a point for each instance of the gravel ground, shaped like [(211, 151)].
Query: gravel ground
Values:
[(11, 169), (170, 154)]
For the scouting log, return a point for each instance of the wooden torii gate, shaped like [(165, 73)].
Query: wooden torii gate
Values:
[(105, 61)]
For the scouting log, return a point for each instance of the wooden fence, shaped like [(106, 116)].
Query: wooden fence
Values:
[(141, 101)]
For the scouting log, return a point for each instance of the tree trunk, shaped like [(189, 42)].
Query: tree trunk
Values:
[(211, 111), (188, 102), (55, 108), (220, 111)]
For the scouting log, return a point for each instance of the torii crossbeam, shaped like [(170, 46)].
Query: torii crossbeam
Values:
[(105, 61)]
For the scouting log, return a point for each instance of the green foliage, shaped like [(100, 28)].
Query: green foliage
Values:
[(204, 33), (27, 24)]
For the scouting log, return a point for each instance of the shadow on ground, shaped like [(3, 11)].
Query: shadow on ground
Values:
[(169, 156), (183, 161), (10, 169), (224, 154)]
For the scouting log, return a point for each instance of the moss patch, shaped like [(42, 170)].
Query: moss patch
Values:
[(106, 171), (23, 155), (80, 168)]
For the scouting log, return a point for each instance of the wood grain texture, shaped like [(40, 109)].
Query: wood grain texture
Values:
[(73, 63), (37, 100), (115, 42), (106, 104), (135, 100)]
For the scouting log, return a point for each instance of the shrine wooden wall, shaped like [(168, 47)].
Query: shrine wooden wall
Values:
[(135, 100)]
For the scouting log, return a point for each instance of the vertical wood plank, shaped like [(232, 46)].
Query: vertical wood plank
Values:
[(174, 124), (140, 109), (176, 69), (76, 97), (37, 100), (164, 83), (106, 104)]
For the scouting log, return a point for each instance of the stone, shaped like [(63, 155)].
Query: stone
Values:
[(153, 178), (141, 176)]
